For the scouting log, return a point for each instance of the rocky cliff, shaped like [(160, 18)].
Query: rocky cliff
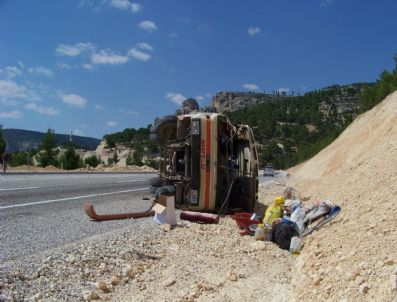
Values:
[(232, 101), (341, 101)]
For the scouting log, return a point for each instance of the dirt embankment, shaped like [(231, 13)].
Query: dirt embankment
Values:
[(354, 258)]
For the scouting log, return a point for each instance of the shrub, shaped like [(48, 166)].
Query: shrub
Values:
[(20, 159), (70, 160), (92, 161)]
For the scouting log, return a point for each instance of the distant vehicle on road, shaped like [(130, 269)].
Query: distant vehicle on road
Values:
[(268, 171)]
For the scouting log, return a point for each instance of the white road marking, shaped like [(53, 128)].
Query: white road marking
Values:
[(121, 181), (13, 189), (70, 198), (42, 177)]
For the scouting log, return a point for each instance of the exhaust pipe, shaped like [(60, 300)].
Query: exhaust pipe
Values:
[(90, 211)]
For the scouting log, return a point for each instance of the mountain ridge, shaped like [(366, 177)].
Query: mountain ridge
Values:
[(24, 140)]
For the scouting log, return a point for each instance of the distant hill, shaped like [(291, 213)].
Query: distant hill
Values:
[(23, 140)]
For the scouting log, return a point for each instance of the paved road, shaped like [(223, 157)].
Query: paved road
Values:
[(279, 175), (41, 211)]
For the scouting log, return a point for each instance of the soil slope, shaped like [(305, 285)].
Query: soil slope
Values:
[(354, 258)]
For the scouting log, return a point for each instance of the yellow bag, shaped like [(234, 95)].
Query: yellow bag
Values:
[(272, 212)]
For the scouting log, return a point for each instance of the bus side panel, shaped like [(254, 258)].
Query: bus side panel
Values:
[(213, 162), (195, 165)]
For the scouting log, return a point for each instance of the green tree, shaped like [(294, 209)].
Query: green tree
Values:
[(152, 147), (137, 159), (115, 157), (47, 155), (2, 141), (92, 161), (130, 160), (153, 163), (374, 94), (21, 158), (134, 159), (70, 160)]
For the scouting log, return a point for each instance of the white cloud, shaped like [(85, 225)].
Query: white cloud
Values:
[(252, 87), (283, 89), (326, 2), (41, 70), (107, 57), (11, 71), (15, 114), (184, 20), (132, 112), (88, 66), (125, 5), (303, 87), (10, 90), (201, 98), (203, 28), (64, 66), (148, 25), (253, 30), (111, 123), (139, 55), (41, 109), (98, 107), (173, 35), (176, 98), (78, 132), (145, 46), (135, 7), (74, 50), (73, 100), (90, 3)]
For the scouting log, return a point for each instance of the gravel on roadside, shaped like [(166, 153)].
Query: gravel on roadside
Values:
[(142, 262)]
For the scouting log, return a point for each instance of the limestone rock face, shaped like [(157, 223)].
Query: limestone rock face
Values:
[(105, 153), (232, 101), (343, 104)]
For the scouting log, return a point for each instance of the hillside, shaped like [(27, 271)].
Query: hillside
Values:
[(341, 97), (355, 258), (291, 129), (23, 140)]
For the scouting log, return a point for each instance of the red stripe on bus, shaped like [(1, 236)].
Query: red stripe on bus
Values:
[(208, 163)]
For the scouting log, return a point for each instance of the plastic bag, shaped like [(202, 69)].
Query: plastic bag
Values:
[(298, 216), (272, 212)]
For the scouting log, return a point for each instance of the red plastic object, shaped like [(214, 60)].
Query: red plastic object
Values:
[(243, 220), (199, 217)]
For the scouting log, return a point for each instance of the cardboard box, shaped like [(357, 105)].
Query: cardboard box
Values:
[(165, 210)]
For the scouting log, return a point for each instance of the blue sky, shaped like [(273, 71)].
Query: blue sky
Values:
[(98, 67)]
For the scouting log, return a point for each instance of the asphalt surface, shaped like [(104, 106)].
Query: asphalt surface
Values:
[(43, 211)]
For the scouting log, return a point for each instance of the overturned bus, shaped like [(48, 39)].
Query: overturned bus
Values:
[(207, 163)]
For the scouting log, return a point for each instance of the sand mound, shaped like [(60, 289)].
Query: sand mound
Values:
[(355, 257)]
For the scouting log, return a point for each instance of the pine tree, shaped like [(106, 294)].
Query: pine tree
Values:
[(47, 155), (2, 141), (69, 159)]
